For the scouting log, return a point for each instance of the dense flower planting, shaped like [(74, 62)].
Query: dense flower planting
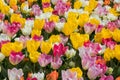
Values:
[(59, 40)]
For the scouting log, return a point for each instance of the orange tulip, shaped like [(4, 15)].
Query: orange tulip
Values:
[(52, 76), (107, 2), (22, 78), (118, 78), (15, 7)]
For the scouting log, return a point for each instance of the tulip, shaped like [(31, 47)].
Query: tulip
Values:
[(15, 74), (39, 76), (2, 57), (49, 26), (13, 28), (96, 70), (68, 75), (89, 28), (109, 77), (52, 76), (36, 10), (16, 57), (44, 59), (56, 62), (59, 50)]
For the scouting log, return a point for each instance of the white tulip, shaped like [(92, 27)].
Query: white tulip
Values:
[(2, 57), (70, 53), (59, 26), (39, 76)]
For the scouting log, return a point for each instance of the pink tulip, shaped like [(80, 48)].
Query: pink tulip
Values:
[(44, 60), (49, 26), (99, 28), (109, 77), (2, 16), (94, 72), (15, 74), (63, 38), (101, 11), (62, 20), (16, 57), (111, 26), (12, 29), (109, 43), (23, 39), (46, 5), (87, 61), (93, 48), (61, 7), (59, 50), (89, 28), (56, 62), (37, 38), (36, 10), (117, 22), (3, 42), (68, 75)]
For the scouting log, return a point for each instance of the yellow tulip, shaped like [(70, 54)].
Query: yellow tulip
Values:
[(48, 9), (34, 56), (78, 39), (117, 52), (6, 49), (78, 71), (13, 3), (109, 54), (83, 18), (54, 18), (116, 35), (32, 45), (5, 9), (77, 4), (46, 47), (54, 38), (17, 46), (38, 24), (35, 32)]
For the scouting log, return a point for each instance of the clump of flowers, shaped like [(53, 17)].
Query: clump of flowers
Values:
[(59, 39)]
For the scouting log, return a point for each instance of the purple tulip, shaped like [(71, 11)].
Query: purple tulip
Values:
[(56, 62), (44, 60)]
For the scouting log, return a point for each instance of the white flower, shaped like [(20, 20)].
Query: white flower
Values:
[(118, 8), (70, 53), (111, 17), (15, 74), (100, 2), (26, 30), (11, 11), (25, 7), (59, 26), (102, 50), (28, 27), (4, 37), (84, 2), (1, 25), (64, 1), (2, 57), (44, 15), (39, 76), (116, 1), (29, 23)]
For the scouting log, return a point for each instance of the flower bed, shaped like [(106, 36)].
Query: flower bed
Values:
[(59, 40)]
